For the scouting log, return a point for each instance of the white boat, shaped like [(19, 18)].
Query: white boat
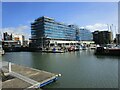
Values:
[(80, 47), (84, 47), (2, 52)]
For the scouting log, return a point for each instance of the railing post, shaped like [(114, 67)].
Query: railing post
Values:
[(9, 66)]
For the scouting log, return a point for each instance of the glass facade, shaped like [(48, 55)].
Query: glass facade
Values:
[(49, 28), (45, 28), (85, 35), (56, 30)]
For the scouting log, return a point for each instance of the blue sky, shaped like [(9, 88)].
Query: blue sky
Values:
[(17, 16)]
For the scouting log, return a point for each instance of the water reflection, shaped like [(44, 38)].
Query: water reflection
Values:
[(80, 69), (107, 57)]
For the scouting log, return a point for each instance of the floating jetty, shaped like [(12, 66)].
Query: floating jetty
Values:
[(25, 77)]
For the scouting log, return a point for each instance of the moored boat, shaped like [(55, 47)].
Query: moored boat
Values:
[(2, 52), (107, 51)]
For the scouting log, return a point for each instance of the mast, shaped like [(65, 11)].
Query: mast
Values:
[(108, 27)]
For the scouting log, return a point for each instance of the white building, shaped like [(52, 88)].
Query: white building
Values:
[(18, 37)]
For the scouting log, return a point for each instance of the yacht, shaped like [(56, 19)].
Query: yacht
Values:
[(2, 52)]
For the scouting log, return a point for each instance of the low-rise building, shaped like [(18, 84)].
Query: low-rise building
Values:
[(7, 36), (118, 39), (20, 38), (11, 43), (13, 40), (102, 37)]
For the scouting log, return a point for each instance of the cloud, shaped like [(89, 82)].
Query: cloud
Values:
[(102, 27), (23, 29), (97, 26), (30, 21)]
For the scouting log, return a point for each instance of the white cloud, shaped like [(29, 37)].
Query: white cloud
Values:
[(30, 21), (97, 26), (82, 27), (23, 29), (102, 27)]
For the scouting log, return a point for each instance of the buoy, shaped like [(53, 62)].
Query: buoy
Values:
[(59, 75), (56, 75)]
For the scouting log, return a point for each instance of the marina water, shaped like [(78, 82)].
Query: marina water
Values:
[(81, 69)]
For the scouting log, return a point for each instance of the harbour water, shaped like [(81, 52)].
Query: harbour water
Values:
[(81, 69)]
